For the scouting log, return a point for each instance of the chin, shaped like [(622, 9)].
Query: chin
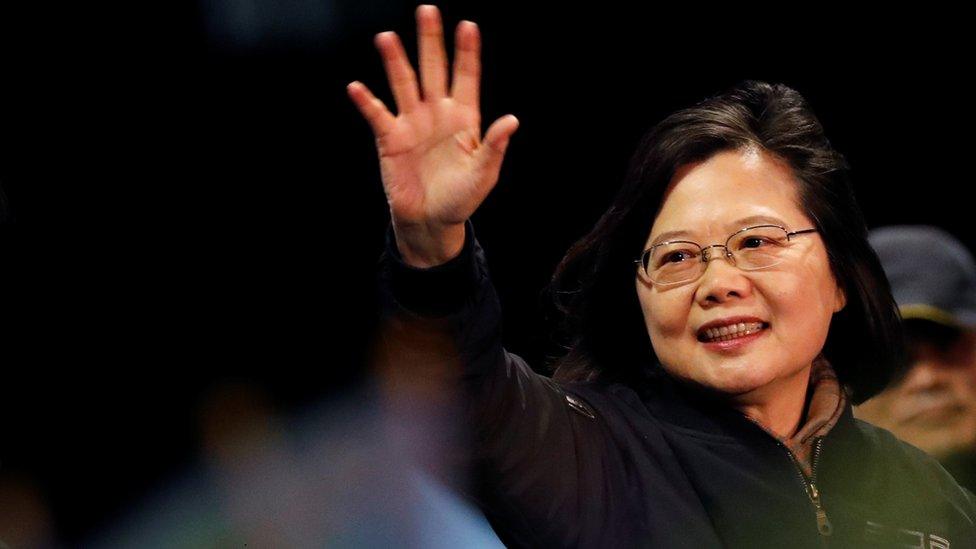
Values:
[(735, 387), (725, 383), (739, 379)]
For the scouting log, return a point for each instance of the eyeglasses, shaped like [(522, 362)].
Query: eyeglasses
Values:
[(750, 249)]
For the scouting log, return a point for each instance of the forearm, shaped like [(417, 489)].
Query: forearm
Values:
[(522, 428)]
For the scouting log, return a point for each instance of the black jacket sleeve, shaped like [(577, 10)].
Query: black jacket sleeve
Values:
[(527, 431)]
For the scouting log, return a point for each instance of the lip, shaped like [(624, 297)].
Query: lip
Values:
[(937, 414), (737, 343), (727, 321)]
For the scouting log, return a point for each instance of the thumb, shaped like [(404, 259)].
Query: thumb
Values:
[(496, 142)]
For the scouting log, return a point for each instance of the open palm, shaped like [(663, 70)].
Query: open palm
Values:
[(436, 169)]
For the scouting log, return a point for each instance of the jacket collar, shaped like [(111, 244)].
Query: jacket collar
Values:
[(697, 413)]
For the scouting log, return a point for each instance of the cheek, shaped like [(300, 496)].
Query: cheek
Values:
[(816, 285), (666, 314), (962, 383), (819, 269), (808, 307)]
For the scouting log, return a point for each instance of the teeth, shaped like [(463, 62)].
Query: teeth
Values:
[(732, 331)]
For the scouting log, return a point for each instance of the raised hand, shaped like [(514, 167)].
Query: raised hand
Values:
[(435, 166)]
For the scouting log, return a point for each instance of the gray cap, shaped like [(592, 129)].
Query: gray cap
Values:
[(932, 275)]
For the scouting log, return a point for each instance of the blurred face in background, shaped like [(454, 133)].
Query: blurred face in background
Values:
[(934, 405)]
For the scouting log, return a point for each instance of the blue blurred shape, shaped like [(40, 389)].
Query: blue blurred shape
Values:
[(269, 24)]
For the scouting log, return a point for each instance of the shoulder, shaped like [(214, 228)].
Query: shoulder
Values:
[(615, 406), (884, 440), (606, 399), (911, 464), (898, 453)]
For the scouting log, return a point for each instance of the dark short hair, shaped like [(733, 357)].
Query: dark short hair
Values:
[(600, 329)]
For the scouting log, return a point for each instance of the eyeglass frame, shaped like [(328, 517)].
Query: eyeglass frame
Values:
[(704, 255)]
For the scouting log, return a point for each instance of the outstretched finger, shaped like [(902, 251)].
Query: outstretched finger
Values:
[(373, 110), (403, 81), (433, 57), (496, 142), (467, 64)]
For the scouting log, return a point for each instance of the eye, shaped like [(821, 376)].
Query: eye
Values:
[(755, 242), (760, 239), (675, 256)]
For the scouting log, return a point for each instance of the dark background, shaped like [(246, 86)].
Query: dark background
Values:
[(197, 202)]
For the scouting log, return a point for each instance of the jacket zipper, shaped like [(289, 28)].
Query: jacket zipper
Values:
[(824, 527), (823, 523)]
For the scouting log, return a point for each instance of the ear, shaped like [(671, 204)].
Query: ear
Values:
[(840, 299)]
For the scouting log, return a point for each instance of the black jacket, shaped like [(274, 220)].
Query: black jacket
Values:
[(608, 465)]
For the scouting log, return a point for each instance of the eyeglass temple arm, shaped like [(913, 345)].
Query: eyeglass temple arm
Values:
[(789, 234)]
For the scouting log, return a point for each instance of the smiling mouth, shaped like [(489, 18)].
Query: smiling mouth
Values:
[(732, 331), (937, 414)]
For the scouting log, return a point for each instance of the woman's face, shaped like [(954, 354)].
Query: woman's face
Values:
[(794, 300)]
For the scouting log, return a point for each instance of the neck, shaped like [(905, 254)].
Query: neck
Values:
[(777, 406)]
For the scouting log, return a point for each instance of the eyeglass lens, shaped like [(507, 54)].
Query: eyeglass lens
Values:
[(755, 248)]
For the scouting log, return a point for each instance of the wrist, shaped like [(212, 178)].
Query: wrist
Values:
[(423, 246)]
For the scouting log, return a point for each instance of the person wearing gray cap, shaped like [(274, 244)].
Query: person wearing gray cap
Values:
[(933, 406)]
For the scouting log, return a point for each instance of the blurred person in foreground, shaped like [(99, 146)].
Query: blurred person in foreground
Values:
[(722, 317), (933, 279)]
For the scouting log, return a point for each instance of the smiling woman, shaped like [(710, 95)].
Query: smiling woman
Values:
[(699, 403), (764, 371)]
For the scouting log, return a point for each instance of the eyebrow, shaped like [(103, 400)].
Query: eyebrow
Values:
[(739, 224)]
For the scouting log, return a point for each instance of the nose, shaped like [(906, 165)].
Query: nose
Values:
[(722, 280), (925, 375)]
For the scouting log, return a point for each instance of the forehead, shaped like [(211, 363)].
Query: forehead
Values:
[(711, 198)]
